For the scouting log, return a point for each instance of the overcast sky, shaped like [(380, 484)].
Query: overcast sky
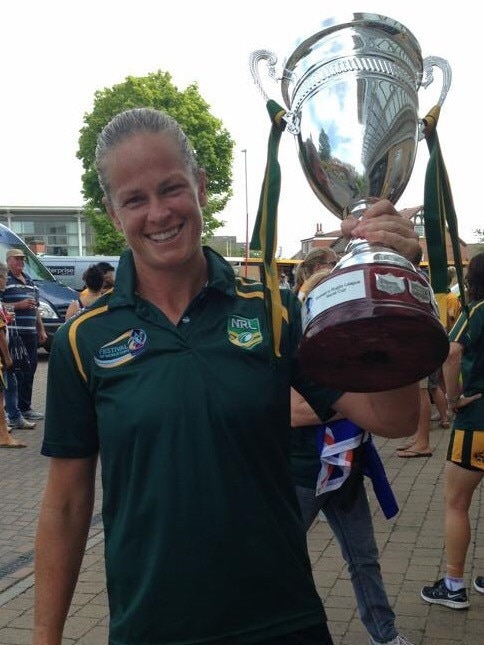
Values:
[(55, 54)]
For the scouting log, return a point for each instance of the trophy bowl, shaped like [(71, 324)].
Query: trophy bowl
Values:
[(351, 90)]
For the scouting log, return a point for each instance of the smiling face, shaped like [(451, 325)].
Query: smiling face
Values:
[(156, 200)]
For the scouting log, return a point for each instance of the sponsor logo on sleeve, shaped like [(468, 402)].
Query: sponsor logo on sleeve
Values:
[(122, 349)]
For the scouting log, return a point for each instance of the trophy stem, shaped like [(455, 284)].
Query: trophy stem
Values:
[(360, 251)]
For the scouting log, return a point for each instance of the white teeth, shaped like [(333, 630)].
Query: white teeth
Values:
[(166, 235)]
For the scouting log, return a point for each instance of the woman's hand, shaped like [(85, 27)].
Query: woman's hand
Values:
[(383, 224)]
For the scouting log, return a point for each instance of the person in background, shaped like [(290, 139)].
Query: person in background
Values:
[(316, 260), (108, 273), (463, 373), (6, 440), (284, 282), (21, 292), (437, 397), (299, 278), (453, 303), (347, 512), (419, 444), (436, 386), (94, 280), (178, 320), (345, 506)]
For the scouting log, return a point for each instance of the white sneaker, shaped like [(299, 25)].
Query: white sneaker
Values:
[(398, 640), (21, 424), (32, 415)]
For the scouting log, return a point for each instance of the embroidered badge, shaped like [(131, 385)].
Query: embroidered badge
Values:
[(244, 332), (123, 349)]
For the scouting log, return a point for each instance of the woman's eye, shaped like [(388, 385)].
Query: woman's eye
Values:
[(173, 188), (132, 201)]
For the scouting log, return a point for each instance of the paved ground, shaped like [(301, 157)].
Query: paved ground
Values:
[(411, 553)]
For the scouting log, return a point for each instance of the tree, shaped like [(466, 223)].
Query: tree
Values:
[(211, 141)]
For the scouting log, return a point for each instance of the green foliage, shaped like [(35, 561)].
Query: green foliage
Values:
[(480, 233), (108, 240), (211, 141)]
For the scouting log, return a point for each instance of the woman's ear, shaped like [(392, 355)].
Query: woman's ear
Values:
[(202, 187)]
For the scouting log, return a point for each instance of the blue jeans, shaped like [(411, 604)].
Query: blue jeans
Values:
[(11, 397), (353, 528)]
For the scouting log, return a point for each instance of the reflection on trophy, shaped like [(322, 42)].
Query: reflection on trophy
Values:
[(351, 93)]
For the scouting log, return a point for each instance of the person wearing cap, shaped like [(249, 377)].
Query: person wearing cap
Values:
[(21, 292)]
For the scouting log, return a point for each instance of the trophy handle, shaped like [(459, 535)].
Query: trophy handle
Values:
[(435, 61), (428, 76), (254, 59), (270, 57)]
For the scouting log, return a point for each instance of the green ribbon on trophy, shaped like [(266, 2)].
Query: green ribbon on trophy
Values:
[(264, 236), (439, 214)]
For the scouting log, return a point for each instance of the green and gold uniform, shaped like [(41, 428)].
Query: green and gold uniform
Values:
[(469, 332), (204, 542), (466, 443)]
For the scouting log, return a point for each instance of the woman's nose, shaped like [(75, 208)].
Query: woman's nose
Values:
[(158, 208)]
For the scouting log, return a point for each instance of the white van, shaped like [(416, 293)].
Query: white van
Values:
[(69, 269)]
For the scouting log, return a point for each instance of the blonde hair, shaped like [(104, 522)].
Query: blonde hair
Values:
[(313, 281), (451, 275), (316, 258), (299, 278)]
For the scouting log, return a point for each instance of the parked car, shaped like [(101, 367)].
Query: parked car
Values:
[(54, 296), (69, 269)]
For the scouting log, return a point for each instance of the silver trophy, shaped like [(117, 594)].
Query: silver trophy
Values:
[(351, 92)]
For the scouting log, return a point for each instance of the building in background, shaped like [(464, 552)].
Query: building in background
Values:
[(227, 245), (50, 230)]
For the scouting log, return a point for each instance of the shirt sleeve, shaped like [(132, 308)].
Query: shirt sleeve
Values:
[(70, 428)]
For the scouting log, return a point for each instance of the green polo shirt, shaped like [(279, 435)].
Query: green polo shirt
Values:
[(204, 542), (469, 332)]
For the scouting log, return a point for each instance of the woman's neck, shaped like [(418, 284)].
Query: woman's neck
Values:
[(173, 291)]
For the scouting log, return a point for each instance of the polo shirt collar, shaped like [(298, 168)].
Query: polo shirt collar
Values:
[(221, 277)]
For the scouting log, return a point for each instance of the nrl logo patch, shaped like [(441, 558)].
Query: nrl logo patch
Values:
[(123, 349), (244, 332)]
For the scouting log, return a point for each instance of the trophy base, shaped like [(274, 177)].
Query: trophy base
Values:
[(381, 341)]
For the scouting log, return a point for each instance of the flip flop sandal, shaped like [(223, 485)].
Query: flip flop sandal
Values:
[(13, 445), (413, 454)]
